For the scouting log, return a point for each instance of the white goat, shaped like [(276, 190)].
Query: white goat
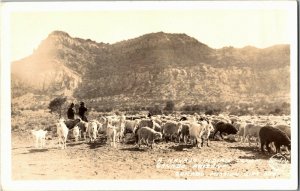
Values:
[(62, 132)]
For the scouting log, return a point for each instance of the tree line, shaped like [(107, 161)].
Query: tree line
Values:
[(212, 108)]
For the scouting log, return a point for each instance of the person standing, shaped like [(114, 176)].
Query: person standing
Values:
[(71, 112), (149, 115), (82, 110)]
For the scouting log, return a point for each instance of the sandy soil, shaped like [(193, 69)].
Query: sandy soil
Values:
[(98, 160)]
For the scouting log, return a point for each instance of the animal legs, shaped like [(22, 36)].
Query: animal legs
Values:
[(268, 146), (262, 146), (215, 133)]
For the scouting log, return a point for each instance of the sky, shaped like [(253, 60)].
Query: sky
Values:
[(212, 25)]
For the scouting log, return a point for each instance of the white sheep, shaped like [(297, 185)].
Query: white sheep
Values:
[(92, 130), (111, 133), (148, 136), (119, 123), (76, 133), (252, 130), (39, 137), (200, 131)]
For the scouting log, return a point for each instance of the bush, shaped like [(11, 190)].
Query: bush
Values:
[(56, 105), (170, 106), (156, 110), (212, 112), (108, 109), (277, 111), (240, 112), (209, 112), (186, 108)]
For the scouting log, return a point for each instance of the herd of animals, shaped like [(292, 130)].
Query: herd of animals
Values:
[(185, 129)]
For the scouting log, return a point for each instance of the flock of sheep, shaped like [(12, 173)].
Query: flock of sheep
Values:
[(184, 129)]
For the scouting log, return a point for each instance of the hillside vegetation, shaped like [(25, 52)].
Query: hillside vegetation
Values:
[(152, 69)]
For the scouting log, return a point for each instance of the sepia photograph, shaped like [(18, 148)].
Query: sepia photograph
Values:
[(168, 95)]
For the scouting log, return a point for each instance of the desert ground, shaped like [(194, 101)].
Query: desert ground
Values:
[(85, 161)]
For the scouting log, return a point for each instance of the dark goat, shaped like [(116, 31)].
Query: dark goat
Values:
[(268, 134), (224, 128)]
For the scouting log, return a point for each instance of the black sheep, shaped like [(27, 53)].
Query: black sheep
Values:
[(284, 128), (183, 118), (224, 128), (185, 133), (72, 123), (268, 134)]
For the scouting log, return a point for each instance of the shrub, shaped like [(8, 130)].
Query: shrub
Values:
[(209, 112), (156, 110), (56, 105), (108, 109), (277, 111), (170, 106), (186, 108)]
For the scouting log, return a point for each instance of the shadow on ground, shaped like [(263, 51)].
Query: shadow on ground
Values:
[(100, 142), (73, 144), (136, 149), (181, 147), (253, 153), (35, 151), (14, 148)]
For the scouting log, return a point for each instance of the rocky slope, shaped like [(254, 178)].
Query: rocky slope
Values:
[(150, 68)]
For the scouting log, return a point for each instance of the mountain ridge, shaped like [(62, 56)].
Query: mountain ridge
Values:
[(152, 66)]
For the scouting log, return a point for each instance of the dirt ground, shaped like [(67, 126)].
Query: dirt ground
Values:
[(85, 161)]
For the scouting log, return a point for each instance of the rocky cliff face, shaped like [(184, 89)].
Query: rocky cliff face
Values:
[(156, 66), (56, 67)]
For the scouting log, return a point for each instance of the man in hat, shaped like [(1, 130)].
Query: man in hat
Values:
[(82, 110), (71, 112)]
